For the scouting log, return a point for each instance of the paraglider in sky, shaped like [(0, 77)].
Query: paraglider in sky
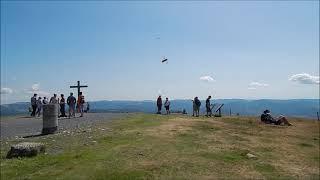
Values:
[(164, 60)]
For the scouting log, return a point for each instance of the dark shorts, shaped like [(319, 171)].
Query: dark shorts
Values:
[(167, 107)]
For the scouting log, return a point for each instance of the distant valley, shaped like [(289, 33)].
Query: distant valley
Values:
[(307, 108)]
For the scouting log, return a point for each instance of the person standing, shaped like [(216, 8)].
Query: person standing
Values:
[(39, 106), (45, 101), (53, 100), (208, 107), (167, 105), (34, 105), (81, 103), (159, 104), (88, 107), (71, 101), (62, 106), (197, 105)]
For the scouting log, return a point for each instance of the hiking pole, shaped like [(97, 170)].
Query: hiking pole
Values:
[(318, 116)]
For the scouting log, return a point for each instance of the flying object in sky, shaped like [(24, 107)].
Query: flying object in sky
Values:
[(164, 60)]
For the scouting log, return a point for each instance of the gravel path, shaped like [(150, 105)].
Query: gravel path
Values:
[(19, 126)]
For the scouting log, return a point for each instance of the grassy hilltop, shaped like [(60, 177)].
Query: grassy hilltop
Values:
[(145, 146)]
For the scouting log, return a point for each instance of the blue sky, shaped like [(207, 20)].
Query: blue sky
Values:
[(250, 49)]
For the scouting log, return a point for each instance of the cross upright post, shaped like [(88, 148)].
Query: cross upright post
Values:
[(78, 86)]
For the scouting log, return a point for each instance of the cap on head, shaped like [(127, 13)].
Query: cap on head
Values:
[(35, 94), (62, 95), (209, 97)]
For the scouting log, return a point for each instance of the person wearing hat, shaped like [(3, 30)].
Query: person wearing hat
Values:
[(268, 119)]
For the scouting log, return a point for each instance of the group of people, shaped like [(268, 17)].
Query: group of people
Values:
[(71, 101), (196, 106), (166, 105), (265, 117), (78, 104)]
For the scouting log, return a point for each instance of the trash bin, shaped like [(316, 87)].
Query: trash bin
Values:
[(50, 118)]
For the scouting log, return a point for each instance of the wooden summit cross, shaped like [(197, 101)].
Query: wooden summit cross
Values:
[(78, 87)]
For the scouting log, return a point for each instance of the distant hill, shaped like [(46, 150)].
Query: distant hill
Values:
[(294, 107)]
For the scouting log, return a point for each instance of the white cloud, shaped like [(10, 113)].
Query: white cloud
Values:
[(252, 88), (162, 92), (256, 85), (35, 87), (207, 79), (6, 91), (304, 78)]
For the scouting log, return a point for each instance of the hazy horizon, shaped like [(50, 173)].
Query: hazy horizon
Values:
[(154, 100), (230, 50)]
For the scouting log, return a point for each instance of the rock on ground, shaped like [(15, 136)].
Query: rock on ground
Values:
[(26, 149), (250, 156)]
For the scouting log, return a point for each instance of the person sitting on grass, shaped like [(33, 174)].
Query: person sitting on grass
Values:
[(268, 119)]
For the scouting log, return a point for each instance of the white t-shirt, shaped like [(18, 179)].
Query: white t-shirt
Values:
[(167, 103)]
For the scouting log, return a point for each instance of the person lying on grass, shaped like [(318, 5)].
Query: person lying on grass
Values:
[(268, 119)]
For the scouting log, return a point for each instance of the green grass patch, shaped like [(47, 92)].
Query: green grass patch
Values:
[(206, 126), (133, 148), (226, 156)]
